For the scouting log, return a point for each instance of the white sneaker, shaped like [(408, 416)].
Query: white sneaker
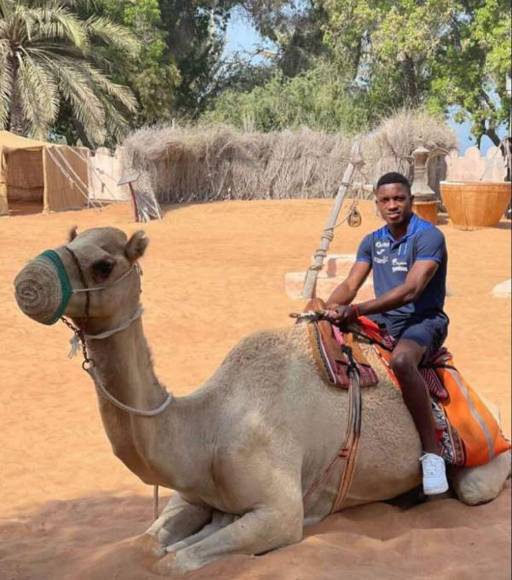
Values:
[(434, 474)]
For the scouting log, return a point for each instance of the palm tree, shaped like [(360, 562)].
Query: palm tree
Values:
[(51, 58)]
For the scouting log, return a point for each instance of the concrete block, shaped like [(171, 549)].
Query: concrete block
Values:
[(339, 264), (503, 289), (294, 285), (325, 287)]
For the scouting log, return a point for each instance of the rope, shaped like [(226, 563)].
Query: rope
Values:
[(90, 366), (98, 288), (123, 326), (348, 451), (132, 410), (77, 181), (77, 338), (97, 173), (155, 502)]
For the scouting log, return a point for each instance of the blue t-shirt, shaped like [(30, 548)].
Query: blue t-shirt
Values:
[(391, 261)]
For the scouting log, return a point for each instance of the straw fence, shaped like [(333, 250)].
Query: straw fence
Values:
[(208, 163)]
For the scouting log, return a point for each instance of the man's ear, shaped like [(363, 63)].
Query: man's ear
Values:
[(73, 233), (136, 246)]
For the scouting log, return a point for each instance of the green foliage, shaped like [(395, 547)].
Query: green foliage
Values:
[(441, 53), (470, 69), (316, 99), (50, 62), (153, 76), (195, 37)]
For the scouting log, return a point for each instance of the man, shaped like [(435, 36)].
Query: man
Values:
[(409, 259)]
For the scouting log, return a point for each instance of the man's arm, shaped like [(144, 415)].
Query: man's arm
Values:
[(418, 277), (347, 290)]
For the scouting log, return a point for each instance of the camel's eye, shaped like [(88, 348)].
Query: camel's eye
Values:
[(102, 269)]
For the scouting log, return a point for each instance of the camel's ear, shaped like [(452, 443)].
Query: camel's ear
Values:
[(73, 233), (136, 246)]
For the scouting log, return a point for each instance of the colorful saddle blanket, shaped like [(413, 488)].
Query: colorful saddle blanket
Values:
[(468, 433)]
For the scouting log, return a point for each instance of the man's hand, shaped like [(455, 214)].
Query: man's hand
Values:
[(341, 315)]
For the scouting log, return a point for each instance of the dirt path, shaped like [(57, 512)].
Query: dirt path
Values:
[(67, 504)]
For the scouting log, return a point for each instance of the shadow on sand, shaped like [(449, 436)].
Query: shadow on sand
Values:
[(91, 539)]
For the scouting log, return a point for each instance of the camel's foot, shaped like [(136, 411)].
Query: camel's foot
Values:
[(172, 565), (148, 545), (476, 485), (219, 521), (178, 520)]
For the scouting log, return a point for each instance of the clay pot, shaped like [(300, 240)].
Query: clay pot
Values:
[(475, 204), (426, 210)]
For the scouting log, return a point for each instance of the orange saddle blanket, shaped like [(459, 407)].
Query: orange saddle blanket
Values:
[(468, 433)]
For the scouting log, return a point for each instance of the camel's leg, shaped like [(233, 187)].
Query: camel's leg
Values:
[(219, 520), (257, 531), (475, 485), (178, 520)]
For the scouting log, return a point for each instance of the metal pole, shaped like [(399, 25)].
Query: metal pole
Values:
[(356, 161)]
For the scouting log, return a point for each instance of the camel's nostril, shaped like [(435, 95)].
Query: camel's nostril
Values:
[(38, 291)]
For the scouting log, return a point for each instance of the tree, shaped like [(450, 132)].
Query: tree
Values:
[(295, 27), (438, 53), (151, 73), (195, 37), (49, 63), (316, 98), (471, 67)]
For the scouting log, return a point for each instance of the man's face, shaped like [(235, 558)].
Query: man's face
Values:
[(394, 203)]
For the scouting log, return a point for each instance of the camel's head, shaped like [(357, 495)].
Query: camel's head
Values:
[(101, 261)]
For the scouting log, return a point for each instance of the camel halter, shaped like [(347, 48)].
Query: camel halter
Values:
[(80, 338), (67, 289)]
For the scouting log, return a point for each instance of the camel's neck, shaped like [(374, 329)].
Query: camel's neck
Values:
[(123, 365)]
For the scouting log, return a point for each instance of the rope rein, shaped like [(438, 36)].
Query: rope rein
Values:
[(88, 364)]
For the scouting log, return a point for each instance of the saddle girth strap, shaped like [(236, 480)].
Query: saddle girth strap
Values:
[(349, 451)]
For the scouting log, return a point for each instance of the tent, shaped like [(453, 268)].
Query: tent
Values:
[(39, 173)]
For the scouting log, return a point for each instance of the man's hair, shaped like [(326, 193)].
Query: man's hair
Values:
[(393, 177)]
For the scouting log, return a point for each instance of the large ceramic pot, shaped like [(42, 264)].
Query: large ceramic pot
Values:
[(426, 210), (475, 204)]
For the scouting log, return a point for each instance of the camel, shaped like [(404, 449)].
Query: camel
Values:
[(240, 451)]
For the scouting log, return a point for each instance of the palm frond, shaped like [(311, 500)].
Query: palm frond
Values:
[(54, 21), (6, 82), (112, 34), (38, 94), (6, 8), (76, 88), (116, 92), (117, 126)]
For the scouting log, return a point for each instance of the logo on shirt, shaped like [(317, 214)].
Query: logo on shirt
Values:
[(398, 265), (382, 244), (383, 260), (380, 252)]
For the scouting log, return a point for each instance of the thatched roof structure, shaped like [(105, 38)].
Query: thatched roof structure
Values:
[(206, 163)]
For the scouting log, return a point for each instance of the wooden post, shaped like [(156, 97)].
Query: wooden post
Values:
[(129, 180), (356, 161)]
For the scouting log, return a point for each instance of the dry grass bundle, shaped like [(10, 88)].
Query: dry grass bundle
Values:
[(390, 146), (207, 163)]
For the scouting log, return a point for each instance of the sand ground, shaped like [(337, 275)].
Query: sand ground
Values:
[(214, 273)]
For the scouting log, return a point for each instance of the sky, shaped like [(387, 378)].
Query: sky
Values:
[(242, 37)]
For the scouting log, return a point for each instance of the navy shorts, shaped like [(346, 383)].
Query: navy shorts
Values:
[(430, 332)]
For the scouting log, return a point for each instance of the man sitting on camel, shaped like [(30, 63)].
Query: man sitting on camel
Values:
[(409, 260)]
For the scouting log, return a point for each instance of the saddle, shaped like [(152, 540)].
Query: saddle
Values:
[(467, 432), (334, 351)]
